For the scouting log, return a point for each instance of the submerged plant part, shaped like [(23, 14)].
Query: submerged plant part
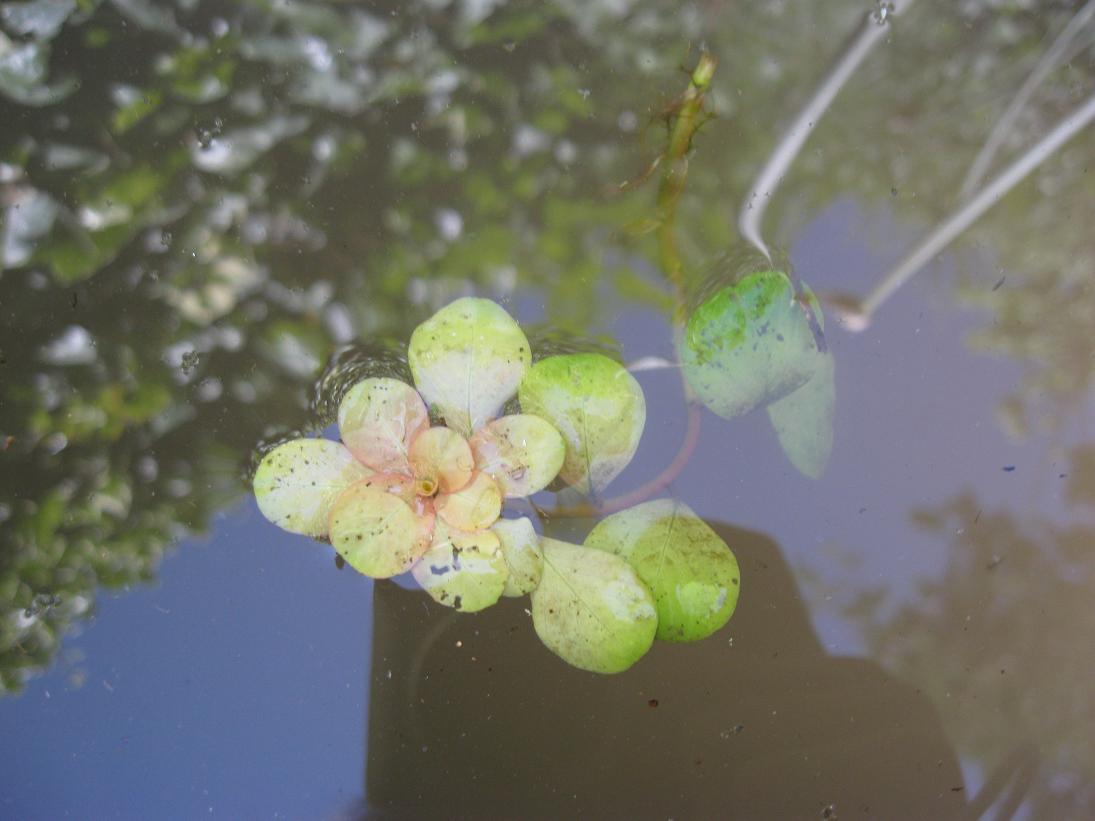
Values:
[(757, 342), (803, 420)]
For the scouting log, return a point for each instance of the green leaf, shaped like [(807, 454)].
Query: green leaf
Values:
[(690, 570), (465, 571), (803, 420), (596, 405), (378, 419), (748, 344), (522, 453), (297, 482), (521, 550), (377, 532), (591, 609), (467, 361)]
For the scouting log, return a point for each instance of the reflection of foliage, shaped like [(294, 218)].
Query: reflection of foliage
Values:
[(248, 184), (1018, 665), (1037, 321), (154, 230)]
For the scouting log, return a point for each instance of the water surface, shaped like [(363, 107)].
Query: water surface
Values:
[(202, 201)]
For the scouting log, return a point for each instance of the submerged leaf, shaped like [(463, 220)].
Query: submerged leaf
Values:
[(748, 344), (441, 459), (297, 482), (475, 506), (378, 419), (521, 550), (691, 572), (465, 571), (376, 532), (591, 609), (467, 360), (522, 453), (596, 405), (803, 420)]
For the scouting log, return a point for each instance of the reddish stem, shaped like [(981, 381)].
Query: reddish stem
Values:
[(687, 119), (646, 490)]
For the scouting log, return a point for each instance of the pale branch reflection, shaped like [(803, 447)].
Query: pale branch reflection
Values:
[(1057, 53), (857, 316), (872, 30)]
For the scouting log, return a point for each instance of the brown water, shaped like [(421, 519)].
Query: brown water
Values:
[(202, 201)]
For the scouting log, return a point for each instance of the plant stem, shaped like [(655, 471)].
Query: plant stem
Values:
[(687, 118), (644, 491)]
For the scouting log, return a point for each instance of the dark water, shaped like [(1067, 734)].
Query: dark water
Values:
[(202, 201)]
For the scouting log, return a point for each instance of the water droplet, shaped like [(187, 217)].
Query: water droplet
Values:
[(882, 11)]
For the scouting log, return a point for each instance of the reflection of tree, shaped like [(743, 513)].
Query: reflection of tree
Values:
[(1002, 643), (200, 199), (193, 227)]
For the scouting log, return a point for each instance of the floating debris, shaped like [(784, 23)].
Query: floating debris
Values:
[(190, 361)]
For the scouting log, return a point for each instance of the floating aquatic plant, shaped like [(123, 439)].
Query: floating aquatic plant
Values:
[(756, 341), (400, 493)]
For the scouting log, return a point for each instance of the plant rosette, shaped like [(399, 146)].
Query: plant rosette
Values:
[(398, 494)]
